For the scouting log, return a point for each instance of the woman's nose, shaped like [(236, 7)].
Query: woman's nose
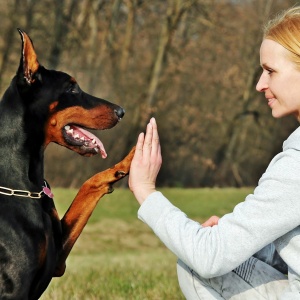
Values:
[(262, 83)]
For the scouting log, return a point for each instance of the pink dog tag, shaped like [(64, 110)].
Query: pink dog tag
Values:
[(47, 192)]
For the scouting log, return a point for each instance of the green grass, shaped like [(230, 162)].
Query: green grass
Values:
[(118, 257)]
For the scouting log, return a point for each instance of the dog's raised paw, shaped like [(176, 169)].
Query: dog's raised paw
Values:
[(110, 189), (120, 174)]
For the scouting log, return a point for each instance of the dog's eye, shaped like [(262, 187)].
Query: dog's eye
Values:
[(73, 88)]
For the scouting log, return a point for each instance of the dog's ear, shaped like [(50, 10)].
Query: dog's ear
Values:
[(28, 63)]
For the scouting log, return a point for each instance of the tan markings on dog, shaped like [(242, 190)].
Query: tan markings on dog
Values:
[(53, 106), (31, 63), (53, 122), (84, 203), (43, 251), (96, 118)]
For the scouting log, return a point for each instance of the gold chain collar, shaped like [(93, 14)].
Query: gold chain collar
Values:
[(20, 193)]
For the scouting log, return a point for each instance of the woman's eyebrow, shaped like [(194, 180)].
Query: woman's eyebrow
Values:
[(265, 66)]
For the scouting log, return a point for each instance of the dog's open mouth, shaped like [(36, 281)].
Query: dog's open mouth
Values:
[(86, 141)]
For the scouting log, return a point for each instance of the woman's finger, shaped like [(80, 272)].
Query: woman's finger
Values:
[(155, 138), (148, 141), (139, 146), (213, 220)]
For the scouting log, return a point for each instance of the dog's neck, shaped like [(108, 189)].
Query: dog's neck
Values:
[(21, 162)]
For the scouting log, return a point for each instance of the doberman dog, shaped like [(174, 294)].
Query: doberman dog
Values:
[(42, 106)]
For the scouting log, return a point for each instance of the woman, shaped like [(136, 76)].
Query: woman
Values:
[(253, 252)]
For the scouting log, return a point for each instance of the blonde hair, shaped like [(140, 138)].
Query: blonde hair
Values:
[(285, 30)]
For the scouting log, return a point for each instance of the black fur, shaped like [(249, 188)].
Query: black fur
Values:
[(30, 231)]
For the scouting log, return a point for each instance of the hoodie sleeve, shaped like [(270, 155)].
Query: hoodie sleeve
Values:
[(270, 212)]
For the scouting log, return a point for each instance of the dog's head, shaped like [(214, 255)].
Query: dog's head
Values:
[(61, 112)]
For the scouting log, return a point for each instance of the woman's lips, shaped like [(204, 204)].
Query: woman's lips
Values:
[(271, 101)]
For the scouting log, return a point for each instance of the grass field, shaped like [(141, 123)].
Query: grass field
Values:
[(118, 257)]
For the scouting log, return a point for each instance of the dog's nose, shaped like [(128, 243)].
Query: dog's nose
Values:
[(120, 112)]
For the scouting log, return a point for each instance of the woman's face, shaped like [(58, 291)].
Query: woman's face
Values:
[(280, 80)]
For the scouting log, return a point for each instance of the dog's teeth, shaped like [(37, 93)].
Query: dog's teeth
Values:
[(94, 141), (67, 127), (82, 138), (76, 136), (70, 131), (96, 149)]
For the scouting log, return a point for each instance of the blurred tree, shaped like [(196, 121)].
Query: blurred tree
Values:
[(226, 162), (8, 37), (63, 17), (193, 64)]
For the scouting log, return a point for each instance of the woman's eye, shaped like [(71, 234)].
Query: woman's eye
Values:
[(270, 71)]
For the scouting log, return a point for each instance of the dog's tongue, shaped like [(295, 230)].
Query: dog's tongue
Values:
[(96, 142)]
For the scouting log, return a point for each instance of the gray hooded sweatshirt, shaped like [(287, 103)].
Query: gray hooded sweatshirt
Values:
[(270, 215)]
